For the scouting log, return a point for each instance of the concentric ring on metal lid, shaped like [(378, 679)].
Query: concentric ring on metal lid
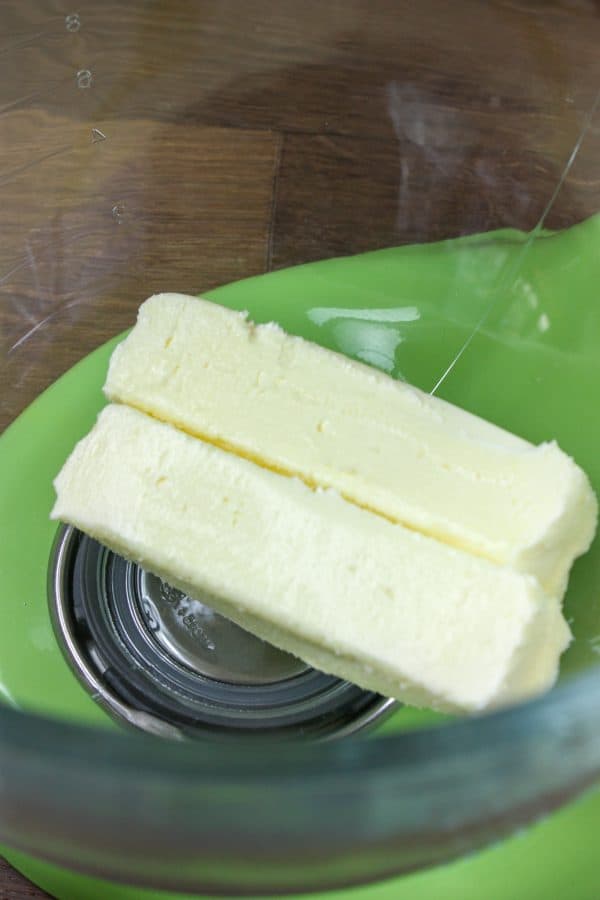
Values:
[(161, 661)]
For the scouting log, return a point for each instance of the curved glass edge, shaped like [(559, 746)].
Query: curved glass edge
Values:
[(571, 706), (352, 812)]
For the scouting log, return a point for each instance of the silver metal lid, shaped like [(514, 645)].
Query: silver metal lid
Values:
[(164, 662), (193, 633)]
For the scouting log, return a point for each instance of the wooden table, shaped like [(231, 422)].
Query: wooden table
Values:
[(184, 144)]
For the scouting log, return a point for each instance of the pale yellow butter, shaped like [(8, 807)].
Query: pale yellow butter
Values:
[(385, 446), (346, 590)]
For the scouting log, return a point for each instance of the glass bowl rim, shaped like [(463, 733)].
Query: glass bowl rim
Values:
[(573, 703)]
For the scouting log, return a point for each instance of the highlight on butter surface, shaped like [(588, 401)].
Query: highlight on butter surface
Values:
[(376, 532)]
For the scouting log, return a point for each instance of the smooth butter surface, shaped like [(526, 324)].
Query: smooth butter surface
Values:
[(348, 591), (384, 445)]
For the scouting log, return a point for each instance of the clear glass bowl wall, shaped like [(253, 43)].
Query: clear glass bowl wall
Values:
[(185, 146)]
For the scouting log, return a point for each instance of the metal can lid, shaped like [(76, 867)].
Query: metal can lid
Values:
[(168, 663)]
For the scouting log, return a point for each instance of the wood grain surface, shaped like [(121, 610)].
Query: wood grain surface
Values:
[(13, 886), (184, 144)]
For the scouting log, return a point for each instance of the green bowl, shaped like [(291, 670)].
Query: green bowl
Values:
[(504, 324)]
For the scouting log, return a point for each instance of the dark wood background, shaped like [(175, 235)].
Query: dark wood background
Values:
[(206, 141)]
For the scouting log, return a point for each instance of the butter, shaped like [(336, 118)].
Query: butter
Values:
[(350, 592), (385, 446)]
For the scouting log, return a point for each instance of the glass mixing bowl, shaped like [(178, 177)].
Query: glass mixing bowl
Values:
[(183, 146)]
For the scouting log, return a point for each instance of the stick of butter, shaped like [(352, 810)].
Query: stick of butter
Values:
[(301, 410), (348, 591)]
